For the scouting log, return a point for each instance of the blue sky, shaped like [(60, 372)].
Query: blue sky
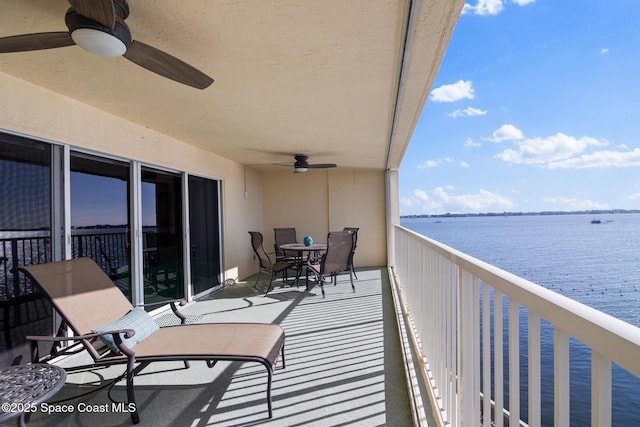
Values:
[(536, 107), (100, 200)]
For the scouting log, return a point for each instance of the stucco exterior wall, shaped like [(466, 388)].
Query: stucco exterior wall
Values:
[(320, 201)]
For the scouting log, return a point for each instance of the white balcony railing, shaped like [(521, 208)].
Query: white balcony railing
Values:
[(462, 309)]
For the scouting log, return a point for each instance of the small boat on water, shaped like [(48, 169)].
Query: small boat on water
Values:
[(596, 221)]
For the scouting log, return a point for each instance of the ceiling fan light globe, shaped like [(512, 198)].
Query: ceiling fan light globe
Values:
[(300, 169), (95, 37), (98, 42)]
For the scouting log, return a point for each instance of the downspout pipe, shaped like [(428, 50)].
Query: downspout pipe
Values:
[(391, 182), (409, 24)]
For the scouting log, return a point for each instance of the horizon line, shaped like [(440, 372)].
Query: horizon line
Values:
[(507, 213)]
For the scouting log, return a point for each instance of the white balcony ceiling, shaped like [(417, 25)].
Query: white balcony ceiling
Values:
[(318, 77)]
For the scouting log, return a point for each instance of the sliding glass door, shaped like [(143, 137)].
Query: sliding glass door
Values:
[(204, 236), (162, 235), (27, 188)]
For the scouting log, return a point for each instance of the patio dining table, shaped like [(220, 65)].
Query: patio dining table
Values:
[(301, 248)]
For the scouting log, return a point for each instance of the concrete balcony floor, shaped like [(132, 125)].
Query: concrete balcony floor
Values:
[(343, 365)]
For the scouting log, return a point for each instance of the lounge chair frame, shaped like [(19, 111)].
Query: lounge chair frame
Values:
[(99, 302)]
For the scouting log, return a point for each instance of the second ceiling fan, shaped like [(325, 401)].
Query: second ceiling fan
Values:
[(302, 164), (98, 26)]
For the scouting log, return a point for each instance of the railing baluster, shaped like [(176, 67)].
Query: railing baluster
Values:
[(442, 340), (466, 391), (15, 263), (514, 364), (498, 362), (476, 350), (600, 391), (486, 355), (453, 349), (534, 371), (561, 378)]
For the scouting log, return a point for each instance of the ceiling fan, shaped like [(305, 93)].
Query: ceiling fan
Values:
[(302, 165), (98, 26)]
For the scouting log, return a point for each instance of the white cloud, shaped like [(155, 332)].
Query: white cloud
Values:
[(484, 7), (604, 50), (441, 201), (491, 7), (428, 164), (421, 195), (635, 196), (453, 92), (572, 204), (471, 143), (464, 164), (546, 150), (468, 112), (600, 159), (506, 133)]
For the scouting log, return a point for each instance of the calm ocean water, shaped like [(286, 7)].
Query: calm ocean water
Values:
[(596, 264)]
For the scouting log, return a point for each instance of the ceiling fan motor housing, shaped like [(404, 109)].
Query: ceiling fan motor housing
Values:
[(301, 165), (301, 161), (78, 23)]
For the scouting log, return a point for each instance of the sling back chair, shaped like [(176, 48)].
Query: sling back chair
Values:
[(282, 236), (112, 331), (353, 230), (265, 264), (337, 259)]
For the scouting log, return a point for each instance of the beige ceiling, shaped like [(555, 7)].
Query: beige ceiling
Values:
[(318, 77)]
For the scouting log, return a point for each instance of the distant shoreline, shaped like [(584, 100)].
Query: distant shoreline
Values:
[(462, 215)]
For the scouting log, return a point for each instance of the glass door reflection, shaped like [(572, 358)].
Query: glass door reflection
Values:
[(100, 215), (162, 235)]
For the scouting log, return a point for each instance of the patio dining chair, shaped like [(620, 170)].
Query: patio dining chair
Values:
[(353, 230), (336, 260), (112, 331), (265, 263), (281, 237)]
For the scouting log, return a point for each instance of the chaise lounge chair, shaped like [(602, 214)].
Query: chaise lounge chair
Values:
[(112, 331)]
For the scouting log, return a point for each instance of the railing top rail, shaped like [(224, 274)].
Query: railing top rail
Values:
[(609, 336)]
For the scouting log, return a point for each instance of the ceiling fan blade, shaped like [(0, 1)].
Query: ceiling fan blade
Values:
[(166, 65), (101, 11), (35, 41), (322, 166)]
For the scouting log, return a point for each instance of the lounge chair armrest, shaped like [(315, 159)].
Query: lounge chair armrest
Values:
[(128, 333), (172, 304)]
